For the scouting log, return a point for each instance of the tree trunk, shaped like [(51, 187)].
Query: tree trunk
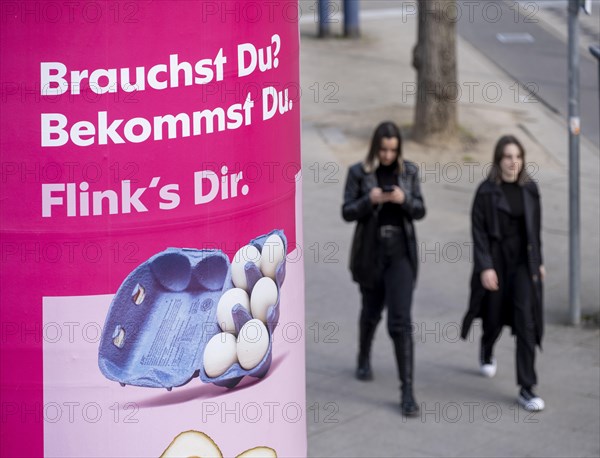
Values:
[(434, 58)]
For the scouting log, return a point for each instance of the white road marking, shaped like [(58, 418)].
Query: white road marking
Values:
[(510, 38)]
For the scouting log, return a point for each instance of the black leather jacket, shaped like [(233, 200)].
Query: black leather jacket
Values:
[(358, 207)]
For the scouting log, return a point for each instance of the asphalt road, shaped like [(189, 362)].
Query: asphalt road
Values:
[(530, 54)]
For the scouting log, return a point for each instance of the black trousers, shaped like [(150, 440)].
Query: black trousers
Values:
[(395, 289), (513, 302)]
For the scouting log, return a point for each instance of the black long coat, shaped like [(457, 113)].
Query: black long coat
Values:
[(358, 207), (487, 238)]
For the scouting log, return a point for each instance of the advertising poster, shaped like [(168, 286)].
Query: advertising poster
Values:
[(152, 281)]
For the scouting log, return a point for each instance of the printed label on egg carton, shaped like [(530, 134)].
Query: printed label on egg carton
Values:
[(166, 313)]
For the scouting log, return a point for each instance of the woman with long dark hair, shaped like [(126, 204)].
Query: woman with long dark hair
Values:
[(508, 272), (383, 196)]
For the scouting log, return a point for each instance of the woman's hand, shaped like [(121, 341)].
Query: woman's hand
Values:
[(396, 196), (377, 196), (542, 272), (489, 279)]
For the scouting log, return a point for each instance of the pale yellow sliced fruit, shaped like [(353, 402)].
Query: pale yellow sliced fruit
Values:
[(192, 444), (258, 452)]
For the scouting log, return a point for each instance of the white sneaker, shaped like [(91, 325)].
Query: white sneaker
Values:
[(488, 370), (530, 401)]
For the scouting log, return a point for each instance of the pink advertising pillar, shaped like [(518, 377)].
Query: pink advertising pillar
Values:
[(151, 266)]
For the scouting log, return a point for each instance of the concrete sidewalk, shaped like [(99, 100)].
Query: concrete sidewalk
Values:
[(349, 87)]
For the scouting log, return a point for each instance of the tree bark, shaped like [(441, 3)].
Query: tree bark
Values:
[(434, 58)]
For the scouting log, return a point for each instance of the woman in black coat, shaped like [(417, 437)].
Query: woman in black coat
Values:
[(508, 273), (383, 196)]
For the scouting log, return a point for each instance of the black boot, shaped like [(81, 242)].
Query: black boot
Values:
[(403, 346), (363, 370)]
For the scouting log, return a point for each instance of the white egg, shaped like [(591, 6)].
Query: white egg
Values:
[(226, 303), (248, 253), (219, 354), (273, 253), (264, 295), (252, 344)]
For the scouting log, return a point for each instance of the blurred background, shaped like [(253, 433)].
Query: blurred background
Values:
[(501, 67)]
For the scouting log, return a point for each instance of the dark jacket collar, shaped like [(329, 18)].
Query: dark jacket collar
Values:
[(489, 186)]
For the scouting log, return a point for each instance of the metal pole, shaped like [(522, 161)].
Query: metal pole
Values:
[(324, 13), (351, 21), (574, 129), (595, 50)]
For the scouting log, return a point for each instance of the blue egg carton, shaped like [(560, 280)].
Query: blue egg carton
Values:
[(165, 312)]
